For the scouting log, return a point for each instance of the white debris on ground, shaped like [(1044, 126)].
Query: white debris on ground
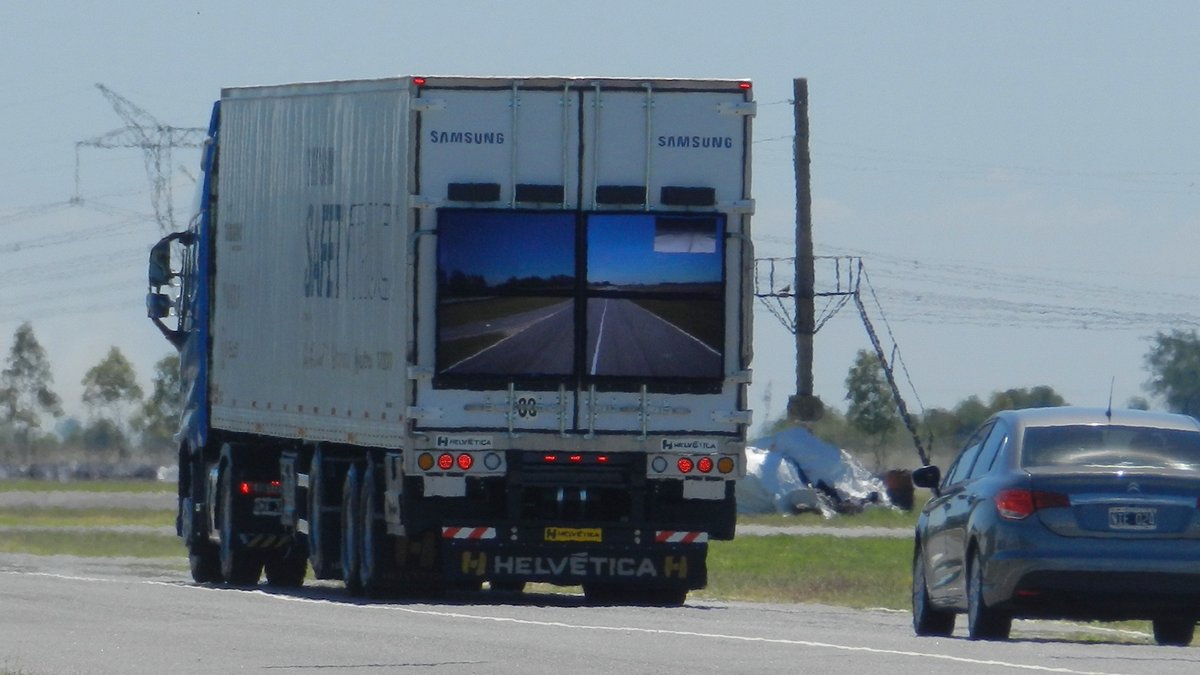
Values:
[(793, 471)]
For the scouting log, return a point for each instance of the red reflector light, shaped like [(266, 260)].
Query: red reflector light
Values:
[(465, 461), (685, 464), (705, 464), (550, 458), (419, 81), (575, 459), (602, 459), (1015, 504), (244, 488), (445, 461), (743, 85)]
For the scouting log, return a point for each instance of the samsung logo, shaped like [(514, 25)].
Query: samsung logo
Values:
[(720, 142), (467, 137)]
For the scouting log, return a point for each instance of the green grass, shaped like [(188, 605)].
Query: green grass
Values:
[(28, 485), (98, 544), (854, 572), (58, 517)]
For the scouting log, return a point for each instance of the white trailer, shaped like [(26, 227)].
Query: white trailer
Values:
[(449, 330)]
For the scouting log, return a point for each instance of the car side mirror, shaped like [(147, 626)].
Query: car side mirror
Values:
[(928, 476)]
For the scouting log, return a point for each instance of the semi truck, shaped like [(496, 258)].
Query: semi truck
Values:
[(441, 332)]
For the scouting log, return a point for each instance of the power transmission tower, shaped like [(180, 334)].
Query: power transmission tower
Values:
[(156, 141)]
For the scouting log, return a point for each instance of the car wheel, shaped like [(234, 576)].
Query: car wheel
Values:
[(927, 619), (983, 622), (1174, 632)]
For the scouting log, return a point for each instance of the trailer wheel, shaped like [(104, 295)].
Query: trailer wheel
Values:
[(375, 556), (205, 562), (238, 566), (322, 548), (350, 532)]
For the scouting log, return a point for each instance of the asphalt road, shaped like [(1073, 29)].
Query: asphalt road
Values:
[(623, 339), (626, 339), (69, 615)]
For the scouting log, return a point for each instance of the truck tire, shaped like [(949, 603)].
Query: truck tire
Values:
[(322, 546), (205, 562), (374, 553), (239, 567), (350, 532)]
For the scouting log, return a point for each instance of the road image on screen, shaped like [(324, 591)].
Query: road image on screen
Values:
[(506, 283), (513, 286)]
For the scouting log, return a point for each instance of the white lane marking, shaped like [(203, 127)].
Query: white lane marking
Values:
[(508, 337), (574, 626), (599, 338)]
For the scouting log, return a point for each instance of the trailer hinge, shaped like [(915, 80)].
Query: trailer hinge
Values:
[(420, 372), (740, 377), (427, 104), (422, 202), (733, 417), (424, 413), (739, 207), (741, 108)]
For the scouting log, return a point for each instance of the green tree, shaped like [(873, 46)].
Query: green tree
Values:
[(158, 418), (25, 393), (1174, 365), (110, 390), (872, 409)]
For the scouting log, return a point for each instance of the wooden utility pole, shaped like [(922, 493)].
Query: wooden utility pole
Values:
[(804, 406)]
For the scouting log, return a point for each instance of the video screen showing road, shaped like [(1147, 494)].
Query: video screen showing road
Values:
[(506, 287), (510, 284), (660, 307)]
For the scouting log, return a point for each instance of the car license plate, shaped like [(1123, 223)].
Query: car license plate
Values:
[(1132, 518), (587, 534)]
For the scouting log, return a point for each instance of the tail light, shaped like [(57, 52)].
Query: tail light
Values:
[(1019, 503)]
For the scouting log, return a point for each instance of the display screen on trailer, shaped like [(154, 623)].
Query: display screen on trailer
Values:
[(506, 286), (655, 301), (580, 297)]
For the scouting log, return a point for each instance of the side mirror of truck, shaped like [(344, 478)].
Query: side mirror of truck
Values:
[(158, 305), (160, 264)]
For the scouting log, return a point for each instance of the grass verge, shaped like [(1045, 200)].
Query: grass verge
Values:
[(29, 485), (853, 572), (98, 544), (54, 517)]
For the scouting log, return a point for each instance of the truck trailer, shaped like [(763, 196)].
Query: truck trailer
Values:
[(437, 332)]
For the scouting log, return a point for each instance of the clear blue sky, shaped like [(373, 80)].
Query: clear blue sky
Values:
[(1021, 178)]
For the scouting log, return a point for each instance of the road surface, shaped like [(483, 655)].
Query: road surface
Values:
[(70, 615)]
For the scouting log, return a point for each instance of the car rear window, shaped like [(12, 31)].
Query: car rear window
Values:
[(1116, 446)]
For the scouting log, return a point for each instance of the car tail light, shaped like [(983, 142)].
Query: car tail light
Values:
[(1018, 503)]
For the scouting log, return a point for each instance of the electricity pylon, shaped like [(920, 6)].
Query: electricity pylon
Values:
[(156, 140)]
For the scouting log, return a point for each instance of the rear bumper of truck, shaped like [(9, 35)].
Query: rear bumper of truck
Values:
[(580, 556)]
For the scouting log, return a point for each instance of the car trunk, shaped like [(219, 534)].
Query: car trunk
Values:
[(1118, 503)]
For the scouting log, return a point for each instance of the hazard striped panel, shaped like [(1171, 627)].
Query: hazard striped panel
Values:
[(265, 541), (468, 533), (673, 537)]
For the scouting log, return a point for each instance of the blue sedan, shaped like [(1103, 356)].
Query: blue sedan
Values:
[(1063, 512)]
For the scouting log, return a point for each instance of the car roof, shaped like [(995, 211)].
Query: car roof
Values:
[(1077, 415)]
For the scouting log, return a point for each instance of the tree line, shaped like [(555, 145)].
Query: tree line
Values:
[(121, 423), (871, 423)]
